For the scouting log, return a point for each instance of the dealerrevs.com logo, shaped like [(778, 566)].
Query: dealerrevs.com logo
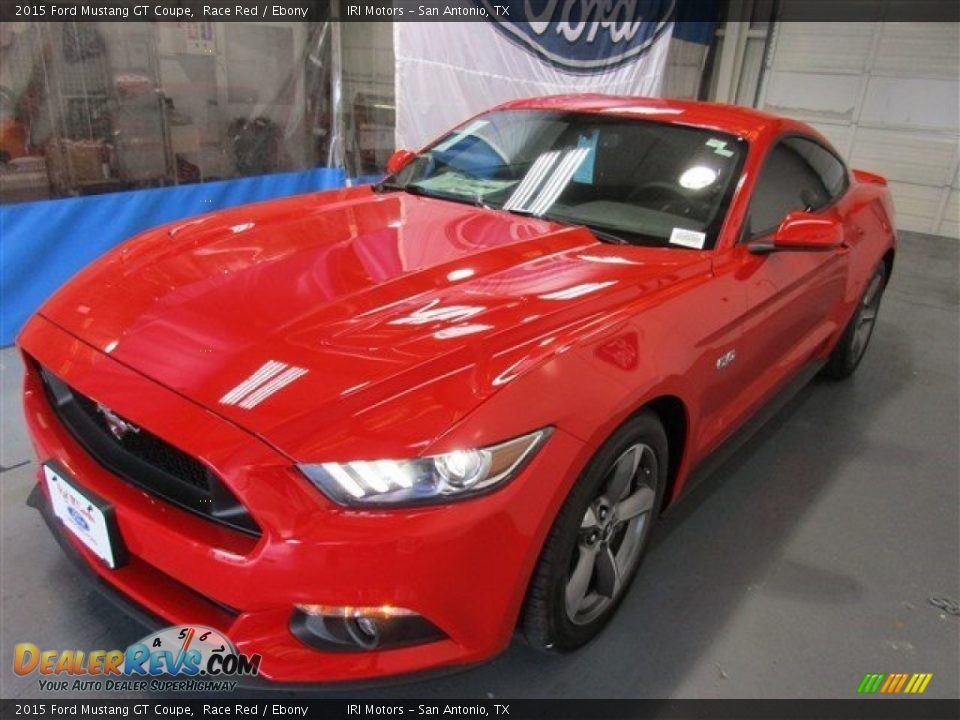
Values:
[(582, 36), (185, 658)]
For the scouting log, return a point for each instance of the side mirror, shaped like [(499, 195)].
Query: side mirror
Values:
[(398, 160), (803, 231)]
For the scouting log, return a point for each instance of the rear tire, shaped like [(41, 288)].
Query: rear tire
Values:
[(598, 538), (852, 346)]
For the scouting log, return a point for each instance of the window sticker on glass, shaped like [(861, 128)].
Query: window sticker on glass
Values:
[(470, 129), (459, 185), (688, 238), (719, 147), (584, 173)]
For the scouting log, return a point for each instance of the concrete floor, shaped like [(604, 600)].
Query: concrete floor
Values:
[(807, 560)]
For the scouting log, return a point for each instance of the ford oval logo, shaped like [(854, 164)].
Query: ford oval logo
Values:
[(583, 36), (78, 519)]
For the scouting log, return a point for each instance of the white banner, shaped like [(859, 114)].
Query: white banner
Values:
[(448, 71)]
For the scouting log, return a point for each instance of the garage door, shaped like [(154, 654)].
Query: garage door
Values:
[(886, 95)]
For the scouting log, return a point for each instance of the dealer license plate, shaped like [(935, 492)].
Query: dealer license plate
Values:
[(88, 518)]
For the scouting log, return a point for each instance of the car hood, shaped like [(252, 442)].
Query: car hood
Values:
[(294, 318)]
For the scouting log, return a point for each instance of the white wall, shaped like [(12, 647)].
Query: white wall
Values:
[(685, 62), (886, 95)]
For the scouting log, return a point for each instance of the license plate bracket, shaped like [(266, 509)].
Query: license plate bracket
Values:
[(85, 515)]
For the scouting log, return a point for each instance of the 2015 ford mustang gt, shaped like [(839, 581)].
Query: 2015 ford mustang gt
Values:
[(373, 431)]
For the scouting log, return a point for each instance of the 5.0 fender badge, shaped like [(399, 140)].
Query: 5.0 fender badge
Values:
[(725, 359)]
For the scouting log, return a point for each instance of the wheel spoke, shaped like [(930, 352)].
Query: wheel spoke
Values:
[(579, 581), (872, 291), (608, 574), (640, 502), (622, 474), (589, 519)]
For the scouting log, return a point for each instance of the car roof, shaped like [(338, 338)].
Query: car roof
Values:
[(733, 119)]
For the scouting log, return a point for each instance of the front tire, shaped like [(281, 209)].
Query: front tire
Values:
[(598, 538), (852, 346)]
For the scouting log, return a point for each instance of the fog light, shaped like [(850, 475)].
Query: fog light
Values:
[(363, 632), (368, 627), (335, 628)]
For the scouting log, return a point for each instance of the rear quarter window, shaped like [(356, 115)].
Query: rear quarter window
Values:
[(830, 169), (798, 174)]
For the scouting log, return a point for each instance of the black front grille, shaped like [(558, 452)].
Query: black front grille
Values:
[(143, 459), (149, 448)]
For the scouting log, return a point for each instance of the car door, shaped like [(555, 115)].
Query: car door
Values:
[(790, 295)]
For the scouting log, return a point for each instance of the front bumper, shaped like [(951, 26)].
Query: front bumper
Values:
[(464, 566), (39, 502)]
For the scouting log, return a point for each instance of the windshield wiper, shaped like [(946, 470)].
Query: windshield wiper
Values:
[(385, 185), (409, 188), (604, 235), (608, 236), (412, 189), (478, 201)]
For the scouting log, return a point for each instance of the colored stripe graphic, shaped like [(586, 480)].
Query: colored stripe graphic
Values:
[(898, 680), (894, 683), (862, 687), (923, 679), (871, 682)]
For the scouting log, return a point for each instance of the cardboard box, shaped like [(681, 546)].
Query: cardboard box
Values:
[(24, 179), (75, 162)]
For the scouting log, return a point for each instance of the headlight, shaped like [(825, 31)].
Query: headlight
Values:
[(431, 479)]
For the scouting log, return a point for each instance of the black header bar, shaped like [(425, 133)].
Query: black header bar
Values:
[(288, 707)]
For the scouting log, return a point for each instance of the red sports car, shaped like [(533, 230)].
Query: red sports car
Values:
[(372, 431)]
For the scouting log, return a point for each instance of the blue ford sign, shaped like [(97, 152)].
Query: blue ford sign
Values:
[(583, 36)]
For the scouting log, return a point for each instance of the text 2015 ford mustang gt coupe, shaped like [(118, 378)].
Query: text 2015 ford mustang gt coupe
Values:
[(372, 431)]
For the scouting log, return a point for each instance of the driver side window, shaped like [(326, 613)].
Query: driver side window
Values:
[(797, 175)]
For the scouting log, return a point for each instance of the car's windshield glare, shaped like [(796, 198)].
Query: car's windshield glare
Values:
[(640, 181)]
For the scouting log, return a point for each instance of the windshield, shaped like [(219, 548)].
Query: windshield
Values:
[(629, 180)]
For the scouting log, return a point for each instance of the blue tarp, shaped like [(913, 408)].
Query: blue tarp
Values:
[(42, 244)]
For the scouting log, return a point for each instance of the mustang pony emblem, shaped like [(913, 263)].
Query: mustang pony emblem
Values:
[(119, 427)]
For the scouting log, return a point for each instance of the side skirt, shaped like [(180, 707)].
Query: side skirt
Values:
[(701, 475)]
